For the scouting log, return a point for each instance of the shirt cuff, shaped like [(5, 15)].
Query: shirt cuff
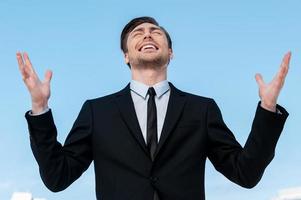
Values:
[(278, 109), (40, 113)]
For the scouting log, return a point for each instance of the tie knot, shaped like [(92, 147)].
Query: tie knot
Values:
[(151, 92)]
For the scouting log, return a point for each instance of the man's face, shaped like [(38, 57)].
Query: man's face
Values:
[(147, 46)]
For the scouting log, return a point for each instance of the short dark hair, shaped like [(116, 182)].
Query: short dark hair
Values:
[(133, 24)]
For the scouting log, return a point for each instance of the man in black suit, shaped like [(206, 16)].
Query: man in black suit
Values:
[(150, 140)]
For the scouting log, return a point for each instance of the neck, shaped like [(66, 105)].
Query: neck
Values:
[(149, 76)]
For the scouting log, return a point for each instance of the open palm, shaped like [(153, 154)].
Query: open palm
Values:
[(39, 90), (269, 92)]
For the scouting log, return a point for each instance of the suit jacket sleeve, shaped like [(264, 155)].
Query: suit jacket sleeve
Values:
[(244, 166), (61, 165)]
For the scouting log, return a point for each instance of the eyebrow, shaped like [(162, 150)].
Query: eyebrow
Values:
[(142, 29)]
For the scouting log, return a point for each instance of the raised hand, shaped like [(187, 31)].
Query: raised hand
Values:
[(269, 92), (39, 90)]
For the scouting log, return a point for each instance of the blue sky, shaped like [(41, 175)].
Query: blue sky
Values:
[(218, 47)]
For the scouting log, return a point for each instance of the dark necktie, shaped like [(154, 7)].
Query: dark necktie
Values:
[(151, 132)]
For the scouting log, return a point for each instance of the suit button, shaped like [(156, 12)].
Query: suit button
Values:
[(153, 179)]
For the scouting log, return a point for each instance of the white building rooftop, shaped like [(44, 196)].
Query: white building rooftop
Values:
[(289, 194), (24, 196)]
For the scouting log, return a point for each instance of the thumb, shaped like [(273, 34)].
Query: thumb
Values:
[(48, 76), (259, 80)]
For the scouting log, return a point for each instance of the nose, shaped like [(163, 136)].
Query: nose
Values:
[(147, 34)]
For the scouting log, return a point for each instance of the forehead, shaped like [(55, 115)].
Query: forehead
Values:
[(146, 26)]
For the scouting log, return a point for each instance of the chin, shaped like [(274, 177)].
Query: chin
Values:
[(151, 56), (156, 61)]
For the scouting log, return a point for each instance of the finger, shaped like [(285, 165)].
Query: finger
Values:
[(27, 71), (286, 60), (48, 76), (280, 76), (21, 66), (28, 63), (20, 60), (259, 80)]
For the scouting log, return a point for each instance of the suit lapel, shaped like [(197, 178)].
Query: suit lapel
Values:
[(175, 107), (126, 107), (127, 110)]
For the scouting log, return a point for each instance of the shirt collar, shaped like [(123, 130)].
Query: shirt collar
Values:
[(141, 89)]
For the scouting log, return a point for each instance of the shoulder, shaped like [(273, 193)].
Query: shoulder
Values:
[(191, 98), (198, 98), (108, 99)]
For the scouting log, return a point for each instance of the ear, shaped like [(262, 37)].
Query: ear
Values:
[(170, 52), (126, 58)]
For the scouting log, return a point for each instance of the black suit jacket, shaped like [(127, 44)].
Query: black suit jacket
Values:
[(107, 132)]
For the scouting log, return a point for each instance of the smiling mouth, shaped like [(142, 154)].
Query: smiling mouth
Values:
[(148, 47)]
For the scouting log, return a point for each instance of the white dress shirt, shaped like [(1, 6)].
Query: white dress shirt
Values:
[(140, 98)]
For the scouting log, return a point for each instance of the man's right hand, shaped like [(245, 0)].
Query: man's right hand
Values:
[(39, 90)]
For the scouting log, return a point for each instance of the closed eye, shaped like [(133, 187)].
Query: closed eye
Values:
[(137, 34), (157, 32)]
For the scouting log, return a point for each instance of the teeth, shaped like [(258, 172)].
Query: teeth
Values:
[(149, 46)]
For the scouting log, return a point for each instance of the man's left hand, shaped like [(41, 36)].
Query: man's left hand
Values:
[(269, 92)]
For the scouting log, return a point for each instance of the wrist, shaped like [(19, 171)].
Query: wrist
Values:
[(268, 106), (39, 107)]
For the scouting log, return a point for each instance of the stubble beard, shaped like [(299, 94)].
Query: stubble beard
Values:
[(151, 63)]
